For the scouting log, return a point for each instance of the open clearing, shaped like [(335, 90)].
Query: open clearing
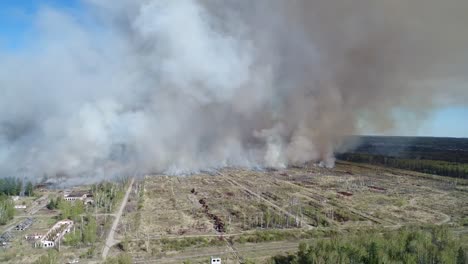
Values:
[(244, 214)]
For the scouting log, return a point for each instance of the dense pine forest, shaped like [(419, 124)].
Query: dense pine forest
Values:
[(440, 156)]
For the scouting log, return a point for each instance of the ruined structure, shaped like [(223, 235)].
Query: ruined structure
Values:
[(5, 239), (55, 234), (33, 237), (25, 224), (215, 260)]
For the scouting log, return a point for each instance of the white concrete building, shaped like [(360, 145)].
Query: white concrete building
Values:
[(46, 244), (215, 260), (74, 196)]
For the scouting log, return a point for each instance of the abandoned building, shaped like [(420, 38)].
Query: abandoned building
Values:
[(55, 234), (215, 260), (25, 224), (33, 237), (46, 244), (76, 195), (83, 196), (5, 239)]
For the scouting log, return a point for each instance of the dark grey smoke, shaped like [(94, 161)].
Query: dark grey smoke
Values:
[(182, 86)]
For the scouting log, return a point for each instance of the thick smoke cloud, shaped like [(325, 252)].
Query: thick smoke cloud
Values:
[(185, 85)]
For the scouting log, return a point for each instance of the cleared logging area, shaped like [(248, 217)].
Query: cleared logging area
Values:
[(169, 217)]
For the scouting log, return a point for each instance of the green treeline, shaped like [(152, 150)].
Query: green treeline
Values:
[(424, 148), (13, 186), (409, 245), (437, 167), (7, 209), (10, 186)]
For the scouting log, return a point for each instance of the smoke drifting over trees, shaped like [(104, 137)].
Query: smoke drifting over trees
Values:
[(185, 85)]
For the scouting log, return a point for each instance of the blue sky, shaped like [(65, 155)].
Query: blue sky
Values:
[(17, 16), (16, 29), (452, 122)]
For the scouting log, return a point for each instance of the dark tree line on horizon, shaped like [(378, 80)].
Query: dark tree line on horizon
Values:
[(439, 156), (437, 167)]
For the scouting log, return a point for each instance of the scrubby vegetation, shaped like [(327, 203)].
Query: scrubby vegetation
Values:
[(68, 209), (190, 242), (120, 259), (270, 219), (71, 210), (84, 233), (52, 257), (408, 245), (54, 203), (261, 236)]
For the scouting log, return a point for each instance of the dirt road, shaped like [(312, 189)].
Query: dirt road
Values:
[(248, 250), (110, 238)]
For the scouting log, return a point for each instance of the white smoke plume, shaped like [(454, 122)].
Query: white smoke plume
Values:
[(187, 85)]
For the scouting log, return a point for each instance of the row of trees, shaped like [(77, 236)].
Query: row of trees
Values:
[(14, 186), (425, 148), (433, 245), (443, 168)]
